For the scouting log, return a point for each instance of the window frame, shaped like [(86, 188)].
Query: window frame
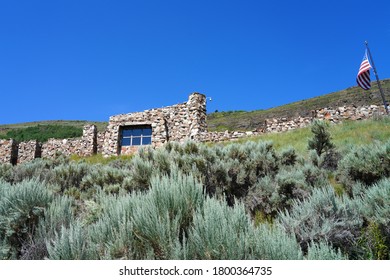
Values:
[(133, 133)]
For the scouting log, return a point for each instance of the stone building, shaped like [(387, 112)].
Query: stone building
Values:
[(125, 133)]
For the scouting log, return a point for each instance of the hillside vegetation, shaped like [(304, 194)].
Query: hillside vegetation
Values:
[(242, 120), (248, 200), (44, 130)]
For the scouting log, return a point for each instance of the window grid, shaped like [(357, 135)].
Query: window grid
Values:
[(136, 136)]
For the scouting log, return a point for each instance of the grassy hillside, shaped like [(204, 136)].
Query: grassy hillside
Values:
[(242, 120), (43, 130), (345, 136)]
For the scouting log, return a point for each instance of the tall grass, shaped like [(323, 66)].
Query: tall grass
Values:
[(345, 135)]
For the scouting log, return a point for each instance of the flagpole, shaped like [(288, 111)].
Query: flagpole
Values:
[(377, 78)]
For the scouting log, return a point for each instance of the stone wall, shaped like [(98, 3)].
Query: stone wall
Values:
[(84, 146), (27, 151), (173, 123), (8, 151), (181, 122), (333, 115)]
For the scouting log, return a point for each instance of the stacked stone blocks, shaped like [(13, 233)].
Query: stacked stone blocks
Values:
[(180, 122)]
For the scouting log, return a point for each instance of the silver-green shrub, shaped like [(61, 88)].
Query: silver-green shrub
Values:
[(21, 207), (323, 217), (6, 171), (273, 243), (59, 213), (322, 251), (71, 243), (219, 232), (162, 216), (367, 164)]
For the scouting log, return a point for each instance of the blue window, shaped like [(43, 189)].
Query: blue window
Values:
[(136, 135)]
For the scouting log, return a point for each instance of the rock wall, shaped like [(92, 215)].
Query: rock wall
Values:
[(84, 146), (8, 151), (179, 123), (333, 115), (27, 151), (173, 123)]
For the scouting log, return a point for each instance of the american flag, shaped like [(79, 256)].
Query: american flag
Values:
[(363, 77)]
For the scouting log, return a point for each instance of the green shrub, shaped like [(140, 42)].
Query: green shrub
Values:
[(323, 217), (373, 243), (21, 208), (321, 141), (141, 173), (291, 186), (273, 243), (162, 216), (58, 214), (263, 198), (37, 169), (288, 156), (102, 176), (322, 251), (71, 244), (69, 175), (219, 232), (6, 171), (375, 203), (112, 233), (367, 164), (270, 195)]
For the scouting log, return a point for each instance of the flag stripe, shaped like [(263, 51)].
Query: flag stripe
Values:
[(363, 76)]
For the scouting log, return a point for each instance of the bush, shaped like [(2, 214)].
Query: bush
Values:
[(37, 169), (321, 141), (71, 244), (270, 195), (161, 217), (273, 243), (219, 232), (323, 217), (322, 251), (58, 214), (70, 175), (6, 172), (375, 203), (373, 243), (367, 164), (288, 156), (21, 208), (113, 232)]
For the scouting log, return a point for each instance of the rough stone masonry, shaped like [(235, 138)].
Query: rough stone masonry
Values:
[(173, 123), (180, 122)]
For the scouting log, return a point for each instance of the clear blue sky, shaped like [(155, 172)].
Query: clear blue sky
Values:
[(88, 60)]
